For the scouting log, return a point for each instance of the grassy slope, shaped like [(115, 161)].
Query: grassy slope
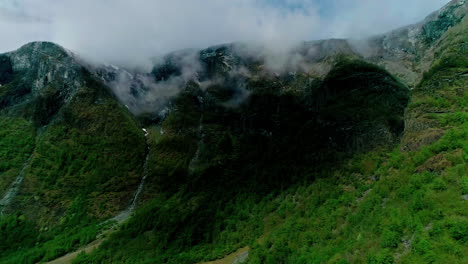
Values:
[(390, 206), (16, 144), (93, 148)]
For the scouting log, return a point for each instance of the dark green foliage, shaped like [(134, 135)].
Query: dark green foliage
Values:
[(98, 149), (87, 154), (210, 153), (16, 145), (390, 239), (459, 230), (276, 127), (35, 246), (46, 106), (13, 92), (24, 243), (6, 70), (358, 97), (16, 232), (383, 257)]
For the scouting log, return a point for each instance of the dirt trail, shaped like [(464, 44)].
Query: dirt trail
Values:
[(238, 257), (71, 256)]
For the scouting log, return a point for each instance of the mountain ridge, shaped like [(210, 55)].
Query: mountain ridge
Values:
[(407, 60)]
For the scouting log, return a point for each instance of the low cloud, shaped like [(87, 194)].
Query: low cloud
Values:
[(136, 34), (130, 32)]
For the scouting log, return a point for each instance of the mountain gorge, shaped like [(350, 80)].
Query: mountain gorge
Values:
[(334, 151)]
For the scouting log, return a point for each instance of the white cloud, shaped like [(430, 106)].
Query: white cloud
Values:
[(17, 29), (130, 31)]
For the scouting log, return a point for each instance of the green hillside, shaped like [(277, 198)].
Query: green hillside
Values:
[(80, 153)]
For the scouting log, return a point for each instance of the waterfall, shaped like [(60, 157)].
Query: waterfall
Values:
[(125, 214), (14, 187)]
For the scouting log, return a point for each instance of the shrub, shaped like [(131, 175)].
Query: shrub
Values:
[(382, 257), (464, 184), (459, 230), (422, 246), (439, 184), (390, 239)]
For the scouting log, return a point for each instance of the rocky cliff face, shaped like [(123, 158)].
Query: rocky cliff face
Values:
[(409, 51), (43, 77), (406, 52), (39, 64)]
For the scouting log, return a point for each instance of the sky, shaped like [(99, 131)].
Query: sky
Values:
[(129, 32)]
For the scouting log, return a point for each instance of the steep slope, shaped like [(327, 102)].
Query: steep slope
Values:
[(408, 52), (78, 154), (390, 207), (304, 170), (209, 153)]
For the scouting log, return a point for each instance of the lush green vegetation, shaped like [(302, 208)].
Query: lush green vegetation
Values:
[(214, 171), (243, 177), (6, 71), (16, 145), (84, 158), (91, 149), (385, 206), (381, 207), (377, 208), (23, 242)]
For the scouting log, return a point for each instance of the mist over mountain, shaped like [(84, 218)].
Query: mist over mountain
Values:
[(130, 33), (396, 50)]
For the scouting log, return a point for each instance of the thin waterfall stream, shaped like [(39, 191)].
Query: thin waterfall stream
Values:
[(125, 214), (14, 187)]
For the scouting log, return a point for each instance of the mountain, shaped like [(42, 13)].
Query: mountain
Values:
[(335, 151), (70, 151)]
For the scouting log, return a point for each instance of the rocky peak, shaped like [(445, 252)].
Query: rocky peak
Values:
[(408, 51), (405, 52), (30, 54), (419, 36), (41, 64)]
